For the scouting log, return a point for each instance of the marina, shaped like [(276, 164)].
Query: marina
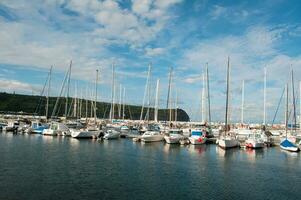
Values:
[(122, 169), (150, 99)]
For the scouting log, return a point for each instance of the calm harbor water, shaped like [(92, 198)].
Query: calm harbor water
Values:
[(41, 167)]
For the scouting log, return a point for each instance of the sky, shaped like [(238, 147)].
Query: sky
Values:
[(178, 34)]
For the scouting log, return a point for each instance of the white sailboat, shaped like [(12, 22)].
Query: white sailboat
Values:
[(228, 140), (287, 144)]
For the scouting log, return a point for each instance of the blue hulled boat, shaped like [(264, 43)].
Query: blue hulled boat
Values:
[(289, 146)]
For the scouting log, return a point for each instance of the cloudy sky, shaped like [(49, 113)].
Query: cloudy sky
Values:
[(185, 35)]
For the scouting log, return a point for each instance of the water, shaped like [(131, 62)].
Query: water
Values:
[(41, 167)]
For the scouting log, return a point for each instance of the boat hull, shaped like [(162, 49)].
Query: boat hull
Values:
[(83, 134), (227, 143), (153, 138), (197, 140), (49, 132), (172, 139), (288, 146), (111, 135), (254, 144)]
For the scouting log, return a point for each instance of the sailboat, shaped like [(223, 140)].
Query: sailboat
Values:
[(228, 140), (111, 132), (91, 130), (286, 144), (255, 140)]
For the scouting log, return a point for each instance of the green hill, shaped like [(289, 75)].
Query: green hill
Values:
[(36, 105)]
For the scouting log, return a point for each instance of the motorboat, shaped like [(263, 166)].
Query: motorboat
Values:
[(37, 127), (152, 136), (56, 128), (84, 133), (111, 134), (174, 136), (197, 137), (11, 126), (254, 141)]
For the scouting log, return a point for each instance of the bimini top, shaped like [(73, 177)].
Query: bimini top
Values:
[(287, 143)]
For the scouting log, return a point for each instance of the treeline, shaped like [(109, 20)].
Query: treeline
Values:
[(37, 104)]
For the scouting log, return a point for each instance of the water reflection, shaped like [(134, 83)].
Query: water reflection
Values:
[(253, 154), (197, 149), (171, 148), (229, 153), (74, 143)]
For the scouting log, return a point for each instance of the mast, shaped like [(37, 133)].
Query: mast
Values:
[(300, 105), (113, 93), (168, 93), (227, 96), (145, 90), (208, 94), (169, 99), (286, 111), (119, 104), (242, 102), (68, 88), (294, 103), (75, 101), (264, 95), (203, 99), (48, 93), (95, 102), (176, 109), (157, 101), (123, 103), (86, 102)]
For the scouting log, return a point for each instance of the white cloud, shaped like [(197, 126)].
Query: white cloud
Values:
[(217, 11), (154, 51), (17, 86), (193, 79), (249, 54), (233, 14)]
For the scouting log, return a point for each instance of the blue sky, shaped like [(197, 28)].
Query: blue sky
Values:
[(168, 33)]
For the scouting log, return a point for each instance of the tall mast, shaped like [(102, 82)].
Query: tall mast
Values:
[(208, 93), (203, 99), (286, 111), (145, 90), (95, 102), (264, 96), (157, 101), (123, 103), (300, 105), (169, 99), (86, 103), (227, 96), (168, 94), (75, 101), (119, 103), (176, 107), (113, 93), (68, 88), (294, 103), (48, 93), (242, 101)]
